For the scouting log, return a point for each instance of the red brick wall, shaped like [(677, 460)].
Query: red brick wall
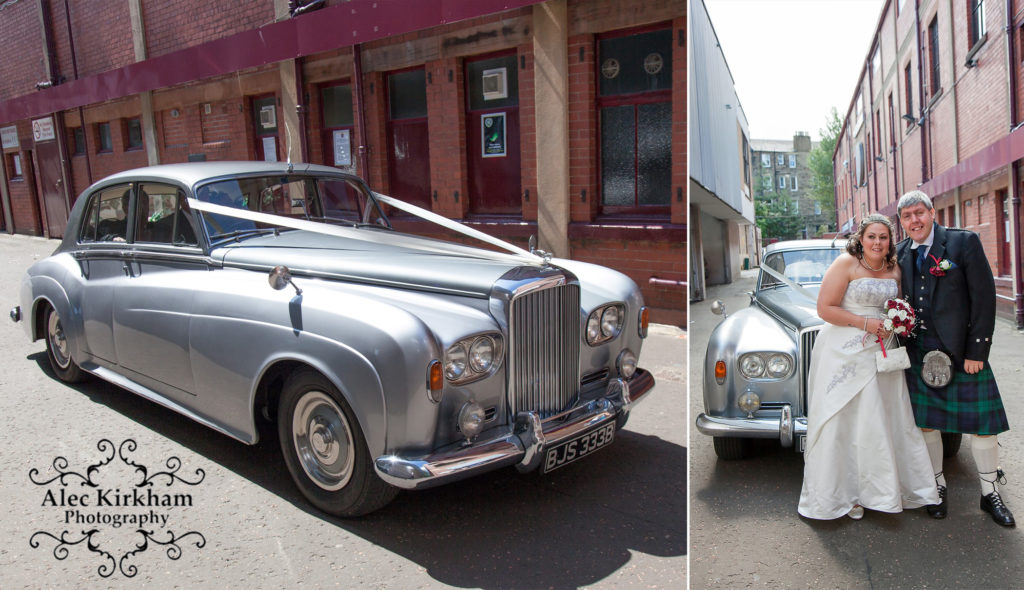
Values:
[(376, 130), (583, 149), (528, 132), (641, 260), (679, 154), (446, 114), (21, 69), (171, 26), (103, 36)]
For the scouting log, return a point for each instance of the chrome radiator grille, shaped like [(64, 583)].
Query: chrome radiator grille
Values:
[(806, 346), (544, 349)]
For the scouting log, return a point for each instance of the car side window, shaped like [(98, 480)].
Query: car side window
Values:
[(107, 219), (160, 218)]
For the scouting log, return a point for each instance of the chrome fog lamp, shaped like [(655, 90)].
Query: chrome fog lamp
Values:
[(749, 402), (779, 365), (481, 355), (610, 321), (626, 363), (471, 419), (455, 362), (752, 366)]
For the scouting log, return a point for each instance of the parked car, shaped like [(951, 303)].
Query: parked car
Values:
[(757, 359), (386, 360)]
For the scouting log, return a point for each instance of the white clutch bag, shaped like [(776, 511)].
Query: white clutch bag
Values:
[(892, 359)]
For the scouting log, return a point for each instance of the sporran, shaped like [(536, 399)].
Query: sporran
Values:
[(936, 369)]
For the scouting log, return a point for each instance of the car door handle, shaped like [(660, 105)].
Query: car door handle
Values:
[(127, 270)]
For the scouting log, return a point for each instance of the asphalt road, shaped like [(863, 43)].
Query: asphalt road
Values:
[(614, 520), (745, 531)]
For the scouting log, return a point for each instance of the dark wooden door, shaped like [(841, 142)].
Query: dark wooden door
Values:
[(50, 184)]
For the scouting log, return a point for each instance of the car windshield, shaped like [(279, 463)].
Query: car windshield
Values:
[(804, 267), (331, 200)]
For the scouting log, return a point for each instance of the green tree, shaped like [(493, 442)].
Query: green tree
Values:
[(820, 162), (773, 211)]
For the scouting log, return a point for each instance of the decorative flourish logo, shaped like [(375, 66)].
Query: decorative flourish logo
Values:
[(103, 509)]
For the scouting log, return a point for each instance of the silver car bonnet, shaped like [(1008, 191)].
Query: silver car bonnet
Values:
[(790, 307), (335, 257)]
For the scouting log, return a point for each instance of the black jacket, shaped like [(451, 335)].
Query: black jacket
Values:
[(963, 302)]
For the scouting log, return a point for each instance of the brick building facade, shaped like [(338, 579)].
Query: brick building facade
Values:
[(562, 119), (938, 106), (781, 167)]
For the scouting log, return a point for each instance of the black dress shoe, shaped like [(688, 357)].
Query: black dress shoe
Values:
[(993, 504), (939, 510)]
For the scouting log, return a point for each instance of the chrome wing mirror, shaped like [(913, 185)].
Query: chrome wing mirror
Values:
[(718, 308), (280, 277)]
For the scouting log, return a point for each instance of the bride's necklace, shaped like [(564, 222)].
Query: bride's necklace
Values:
[(865, 263)]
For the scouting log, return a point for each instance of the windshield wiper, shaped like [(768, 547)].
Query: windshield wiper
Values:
[(238, 233), (348, 222)]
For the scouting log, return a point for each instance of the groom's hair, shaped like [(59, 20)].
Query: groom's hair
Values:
[(912, 198)]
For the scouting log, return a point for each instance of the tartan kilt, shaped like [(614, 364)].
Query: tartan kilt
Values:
[(970, 404)]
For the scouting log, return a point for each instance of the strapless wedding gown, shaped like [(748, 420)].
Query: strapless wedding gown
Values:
[(863, 446)]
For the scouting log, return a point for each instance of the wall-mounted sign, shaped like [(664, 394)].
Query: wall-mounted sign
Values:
[(342, 147), (492, 135), (270, 149), (9, 137), (42, 129)]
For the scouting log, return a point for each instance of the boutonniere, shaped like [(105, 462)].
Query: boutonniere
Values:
[(941, 266)]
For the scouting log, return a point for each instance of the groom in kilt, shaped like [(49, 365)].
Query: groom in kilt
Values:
[(946, 277)]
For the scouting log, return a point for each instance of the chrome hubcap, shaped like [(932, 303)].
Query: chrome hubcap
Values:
[(58, 342), (323, 440)]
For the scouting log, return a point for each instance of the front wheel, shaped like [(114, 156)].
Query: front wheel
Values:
[(730, 448), (58, 350), (325, 450)]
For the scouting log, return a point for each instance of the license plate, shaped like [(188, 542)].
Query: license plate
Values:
[(803, 442), (578, 447)]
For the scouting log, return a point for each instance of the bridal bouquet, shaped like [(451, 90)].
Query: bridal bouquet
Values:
[(898, 317)]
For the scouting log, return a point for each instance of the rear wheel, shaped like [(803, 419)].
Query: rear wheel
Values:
[(325, 450), (58, 350), (951, 443), (729, 448)]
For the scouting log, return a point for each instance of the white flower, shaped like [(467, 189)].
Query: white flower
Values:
[(902, 314), (945, 264), (887, 324)]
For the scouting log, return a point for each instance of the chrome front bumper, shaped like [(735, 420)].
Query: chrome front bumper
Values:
[(521, 445), (783, 427)]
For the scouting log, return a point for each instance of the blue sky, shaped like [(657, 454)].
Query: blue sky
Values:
[(792, 60)]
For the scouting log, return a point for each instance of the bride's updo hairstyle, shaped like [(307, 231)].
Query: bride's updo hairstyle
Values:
[(855, 248)]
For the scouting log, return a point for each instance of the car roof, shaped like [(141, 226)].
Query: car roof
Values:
[(192, 173), (806, 245)]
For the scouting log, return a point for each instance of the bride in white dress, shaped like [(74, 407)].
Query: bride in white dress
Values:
[(863, 449)]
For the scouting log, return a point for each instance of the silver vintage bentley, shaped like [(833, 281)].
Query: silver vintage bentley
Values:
[(238, 291), (755, 368)]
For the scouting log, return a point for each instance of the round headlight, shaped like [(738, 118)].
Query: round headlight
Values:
[(455, 362), (626, 363), (481, 355), (779, 365), (610, 321), (593, 328), (471, 419), (752, 366)]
